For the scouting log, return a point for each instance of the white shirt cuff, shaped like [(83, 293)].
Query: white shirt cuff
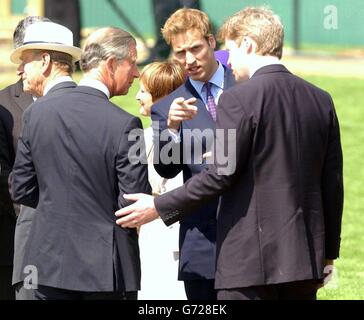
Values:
[(176, 137)]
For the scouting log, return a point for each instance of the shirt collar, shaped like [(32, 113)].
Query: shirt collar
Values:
[(217, 79), (261, 62), (96, 84), (54, 82)]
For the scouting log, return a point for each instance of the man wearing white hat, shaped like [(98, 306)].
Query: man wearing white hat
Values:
[(46, 59), (13, 102)]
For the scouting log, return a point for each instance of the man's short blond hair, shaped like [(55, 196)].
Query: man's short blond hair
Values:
[(258, 23), (161, 78), (184, 20)]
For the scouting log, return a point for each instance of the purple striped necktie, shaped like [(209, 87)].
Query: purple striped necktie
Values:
[(211, 106)]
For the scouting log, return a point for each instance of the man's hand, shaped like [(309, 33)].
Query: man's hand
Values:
[(139, 213), (181, 110)]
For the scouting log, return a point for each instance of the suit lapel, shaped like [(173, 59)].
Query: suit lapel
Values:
[(203, 119)]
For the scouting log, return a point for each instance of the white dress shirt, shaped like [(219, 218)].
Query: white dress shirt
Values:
[(262, 61), (96, 84)]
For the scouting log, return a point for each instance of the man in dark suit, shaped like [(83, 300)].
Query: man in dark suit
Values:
[(281, 192), (13, 101), (73, 165), (189, 33), (39, 80)]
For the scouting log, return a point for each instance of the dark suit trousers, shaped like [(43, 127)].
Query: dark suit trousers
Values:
[(200, 290), (49, 293), (7, 291), (297, 290)]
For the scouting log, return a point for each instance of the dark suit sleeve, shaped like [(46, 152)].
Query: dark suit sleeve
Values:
[(6, 205), (4, 152), (23, 179), (333, 190), (131, 162), (220, 176), (168, 155)]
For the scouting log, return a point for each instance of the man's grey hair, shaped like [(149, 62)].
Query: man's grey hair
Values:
[(19, 32), (63, 61), (105, 43)]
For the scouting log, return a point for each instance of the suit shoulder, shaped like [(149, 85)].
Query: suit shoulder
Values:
[(9, 90), (266, 81), (122, 117), (312, 87), (120, 111), (239, 88)]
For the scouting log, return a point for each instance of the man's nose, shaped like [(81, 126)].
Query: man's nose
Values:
[(190, 58)]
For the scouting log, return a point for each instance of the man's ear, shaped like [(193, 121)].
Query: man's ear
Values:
[(111, 65), (212, 42), (46, 62), (249, 45)]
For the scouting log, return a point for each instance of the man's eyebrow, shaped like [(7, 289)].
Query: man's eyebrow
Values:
[(179, 50)]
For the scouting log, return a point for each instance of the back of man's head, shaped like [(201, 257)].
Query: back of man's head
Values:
[(184, 20), (19, 32), (105, 43), (258, 23)]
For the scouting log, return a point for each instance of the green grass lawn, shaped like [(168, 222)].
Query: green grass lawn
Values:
[(348, 95)]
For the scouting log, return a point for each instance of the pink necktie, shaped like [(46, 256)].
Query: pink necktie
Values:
[(211, 106)]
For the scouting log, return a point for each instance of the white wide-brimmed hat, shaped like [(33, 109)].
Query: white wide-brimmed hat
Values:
[(47, 36)]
